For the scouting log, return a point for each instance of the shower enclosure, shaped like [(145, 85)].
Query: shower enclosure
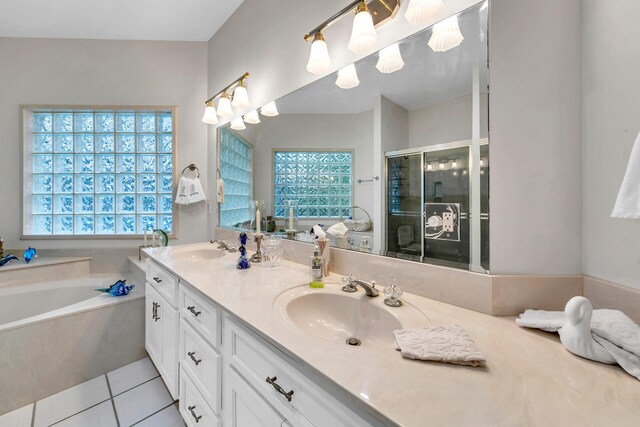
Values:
[(432, 214)]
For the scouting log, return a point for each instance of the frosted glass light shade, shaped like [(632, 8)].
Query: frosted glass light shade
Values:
[(269, 109), (252, 117), (420, 12), (446, 35), (240, 97), (390, 59), (210, 117), (224, 107), (347, 77), (238, 124), (319, 60), (363, 35)]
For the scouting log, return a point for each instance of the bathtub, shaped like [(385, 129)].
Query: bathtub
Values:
[(57, 334)]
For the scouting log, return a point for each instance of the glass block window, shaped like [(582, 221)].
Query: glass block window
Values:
[(321, 181), (236, 160), (98, 172)]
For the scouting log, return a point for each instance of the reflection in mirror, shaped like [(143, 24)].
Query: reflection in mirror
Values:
[(397, 165)]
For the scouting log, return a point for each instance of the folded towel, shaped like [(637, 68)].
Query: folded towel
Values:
[(628, 201), (196, 191), (612, 329), (441, 343), (182, 194), (338, 229), (220, 191)]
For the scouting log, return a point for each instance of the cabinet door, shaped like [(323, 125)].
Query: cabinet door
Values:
[(169, 320), (244, 407), (153, 327)]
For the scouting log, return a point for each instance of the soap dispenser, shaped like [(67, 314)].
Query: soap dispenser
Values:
[(316, 269)]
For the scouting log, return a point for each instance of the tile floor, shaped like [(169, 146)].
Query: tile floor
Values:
[(131, 395)]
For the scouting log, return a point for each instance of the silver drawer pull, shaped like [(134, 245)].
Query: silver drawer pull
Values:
[(192, 356), (193, 414), (157, 280), (192, 309), (155, 313), (286, 394)]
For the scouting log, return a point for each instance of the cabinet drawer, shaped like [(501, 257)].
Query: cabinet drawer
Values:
[(193, 406), (203, 315), (203, 363), (301, 402), (164, 282)]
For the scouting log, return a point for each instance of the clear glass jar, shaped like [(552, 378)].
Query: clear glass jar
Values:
[(272, 252)]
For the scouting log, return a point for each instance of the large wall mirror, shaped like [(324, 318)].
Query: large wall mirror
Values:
[(401, 160)]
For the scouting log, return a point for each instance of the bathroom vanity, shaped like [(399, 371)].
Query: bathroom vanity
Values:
[(240, 354)]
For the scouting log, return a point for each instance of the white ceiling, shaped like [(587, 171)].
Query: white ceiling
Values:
[(428, 78), (177, 20)]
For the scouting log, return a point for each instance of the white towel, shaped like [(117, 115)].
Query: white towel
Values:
[(189, 191), (182, 194), (628, 201), (441, 343), (610, 328), (338, 229), (220, 191)]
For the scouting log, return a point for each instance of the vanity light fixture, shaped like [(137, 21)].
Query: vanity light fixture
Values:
[(454, 164), (238, 124), (240, 96), (441, 165), (224, 106), (446, 35), (269, 109), (429, 167), (420, 12), (210, 116), (481, 161), (252, 117), (390, 59), (347, 77), (319, 60), (236, 89), (363, 34)]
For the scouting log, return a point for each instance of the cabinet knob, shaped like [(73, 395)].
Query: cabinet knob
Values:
[(286, 394), (192, 356), (193, 414)]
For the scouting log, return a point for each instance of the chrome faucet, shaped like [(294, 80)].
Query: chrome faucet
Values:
[(223, 245), (351, 284)]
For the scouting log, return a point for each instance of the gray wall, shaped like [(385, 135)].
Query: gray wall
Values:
[(535, 154), (90, 72), (611, 121)]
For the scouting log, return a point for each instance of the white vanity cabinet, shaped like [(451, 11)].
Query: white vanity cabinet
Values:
[(161, 324), (258, 376)]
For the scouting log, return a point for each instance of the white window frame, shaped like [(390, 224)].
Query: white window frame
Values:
[(26, 141)]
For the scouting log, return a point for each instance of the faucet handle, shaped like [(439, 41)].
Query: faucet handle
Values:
[(393, 294), (349, 285)]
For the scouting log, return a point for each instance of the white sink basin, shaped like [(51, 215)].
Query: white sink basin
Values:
[(336, 316), (196, 254)]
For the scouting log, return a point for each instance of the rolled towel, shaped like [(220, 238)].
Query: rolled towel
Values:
[(441, 343)]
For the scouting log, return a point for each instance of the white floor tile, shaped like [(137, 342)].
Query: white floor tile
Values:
[(71, 401), (169, 417), (18, 418), (101, 415), (131, 375), (142, 401)]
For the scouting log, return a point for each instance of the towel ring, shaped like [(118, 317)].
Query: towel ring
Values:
[(192, 168)]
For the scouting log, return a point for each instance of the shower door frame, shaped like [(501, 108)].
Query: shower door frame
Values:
[(474, 208)]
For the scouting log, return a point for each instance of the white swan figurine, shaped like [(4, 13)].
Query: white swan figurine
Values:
[(575, 334)]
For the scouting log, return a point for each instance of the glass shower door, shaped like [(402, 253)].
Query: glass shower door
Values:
[(404, 206)]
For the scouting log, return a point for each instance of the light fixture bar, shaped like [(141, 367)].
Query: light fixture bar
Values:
[(228, 87), (377, 11)]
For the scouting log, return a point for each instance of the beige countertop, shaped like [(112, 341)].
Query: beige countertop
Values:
[(529, 380)]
